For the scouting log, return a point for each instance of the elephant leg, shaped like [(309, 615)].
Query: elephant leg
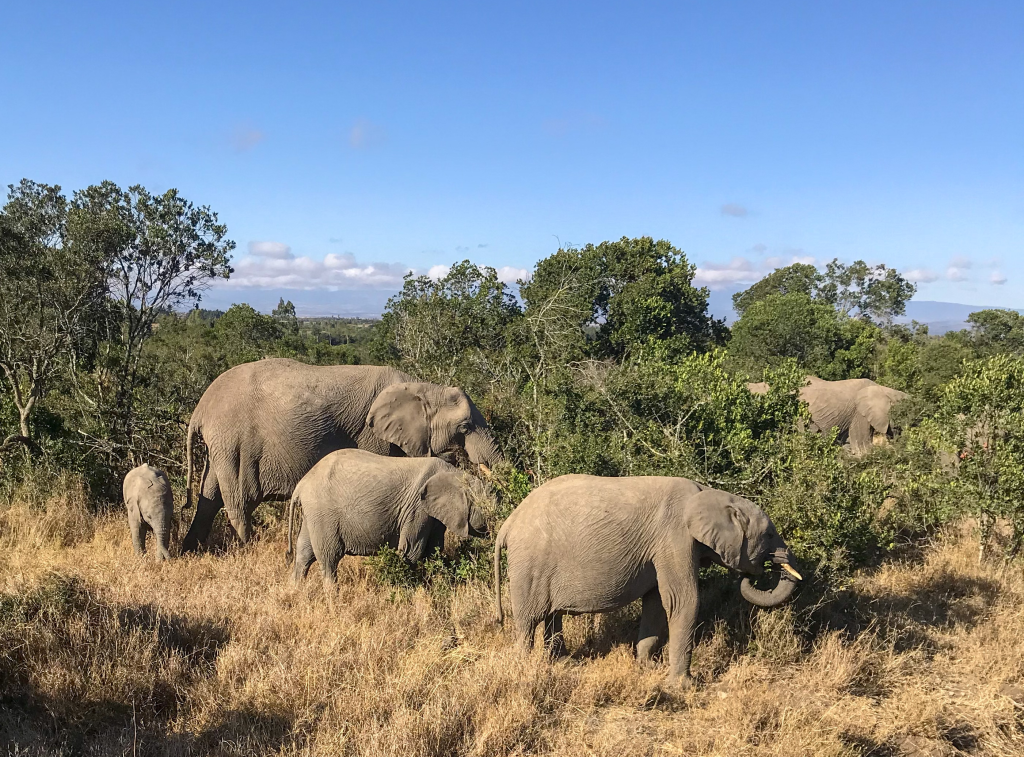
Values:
[(526, 627), (138, 530), (329, 568), (162, 535), (554, 640), (209, 504), (235, 507), (860, 434), (304, 556), (527, 611), (653, 627), (680, 599)]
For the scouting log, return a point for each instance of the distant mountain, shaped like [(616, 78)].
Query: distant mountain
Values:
[(369, 303), (940, 316), (943, 316), (361, 303)]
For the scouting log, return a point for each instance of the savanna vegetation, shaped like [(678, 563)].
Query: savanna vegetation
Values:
[(907, 637)]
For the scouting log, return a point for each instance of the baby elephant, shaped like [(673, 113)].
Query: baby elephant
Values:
[(583, 544), (147, 497), (355, 502)]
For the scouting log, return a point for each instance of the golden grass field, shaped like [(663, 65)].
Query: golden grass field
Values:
[(103, 653)]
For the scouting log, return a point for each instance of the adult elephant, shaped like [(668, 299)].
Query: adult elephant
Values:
[(860, 408), (584, 544), (266, 424)]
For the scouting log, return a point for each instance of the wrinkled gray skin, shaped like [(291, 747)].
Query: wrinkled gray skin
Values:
[(584, 544), (859, 408), (354, 502), (265, 425), (148, 500)]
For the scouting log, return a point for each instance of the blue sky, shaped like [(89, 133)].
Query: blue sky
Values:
[(346, 143)]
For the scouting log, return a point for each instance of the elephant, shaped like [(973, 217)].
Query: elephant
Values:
[(859, 408), (355, 502), (148, 500), (586, 544), (265, 424)]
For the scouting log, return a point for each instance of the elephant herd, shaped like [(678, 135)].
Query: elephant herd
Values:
[(357, 449)]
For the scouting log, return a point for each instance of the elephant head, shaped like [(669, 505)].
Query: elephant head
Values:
[(452, 498), (740, 536), (427, 419)]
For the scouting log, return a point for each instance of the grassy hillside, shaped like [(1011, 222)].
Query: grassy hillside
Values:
[(103, 653)]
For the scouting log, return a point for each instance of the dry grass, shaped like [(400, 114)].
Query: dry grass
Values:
[(101, 653)]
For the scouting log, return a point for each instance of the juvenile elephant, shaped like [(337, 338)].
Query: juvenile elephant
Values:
[(859, 408), (265, 425), (148, 500), (584, 544), (354, 502)]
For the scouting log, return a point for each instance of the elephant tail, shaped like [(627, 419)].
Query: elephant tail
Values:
[(499, 544), (290, 554), (193, 432)]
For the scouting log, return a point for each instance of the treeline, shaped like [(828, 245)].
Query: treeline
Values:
[(606, 362)]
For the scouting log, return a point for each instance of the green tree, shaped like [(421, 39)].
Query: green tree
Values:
[(877, 293), (444, 330), (246, 334), (784, 327), (647, 295), (799, 278), (161, 252), (51, 295), (981, 418), (285, 315), (996, 330)]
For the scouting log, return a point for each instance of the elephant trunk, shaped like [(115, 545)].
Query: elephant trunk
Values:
[(781, 594), (783, 591), (482, 449)]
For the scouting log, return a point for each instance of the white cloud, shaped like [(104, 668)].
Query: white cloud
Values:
[(956, 273), (961, 262), (436, 272), (735, 271), (734, 210), (278, 250), (921, 276), (740, 270), (261, 271), (997, 278), (759, 248), (510, 274), (365, 134)]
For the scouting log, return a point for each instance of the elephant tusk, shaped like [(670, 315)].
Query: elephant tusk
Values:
[(485, 470), (792, 571)]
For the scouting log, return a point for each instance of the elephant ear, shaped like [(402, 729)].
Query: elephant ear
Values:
[(399, 416), (446, 499), (874, 406), (715, 519)]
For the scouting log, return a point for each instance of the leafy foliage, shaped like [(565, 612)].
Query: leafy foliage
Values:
[(798, 278), (981, 419), (444, 330), (51, 295)]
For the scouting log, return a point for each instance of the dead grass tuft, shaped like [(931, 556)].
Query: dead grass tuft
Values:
[(103, 653), (61, 518)]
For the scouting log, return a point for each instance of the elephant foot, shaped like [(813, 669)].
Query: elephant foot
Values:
[(646, 652), (679, 683)]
